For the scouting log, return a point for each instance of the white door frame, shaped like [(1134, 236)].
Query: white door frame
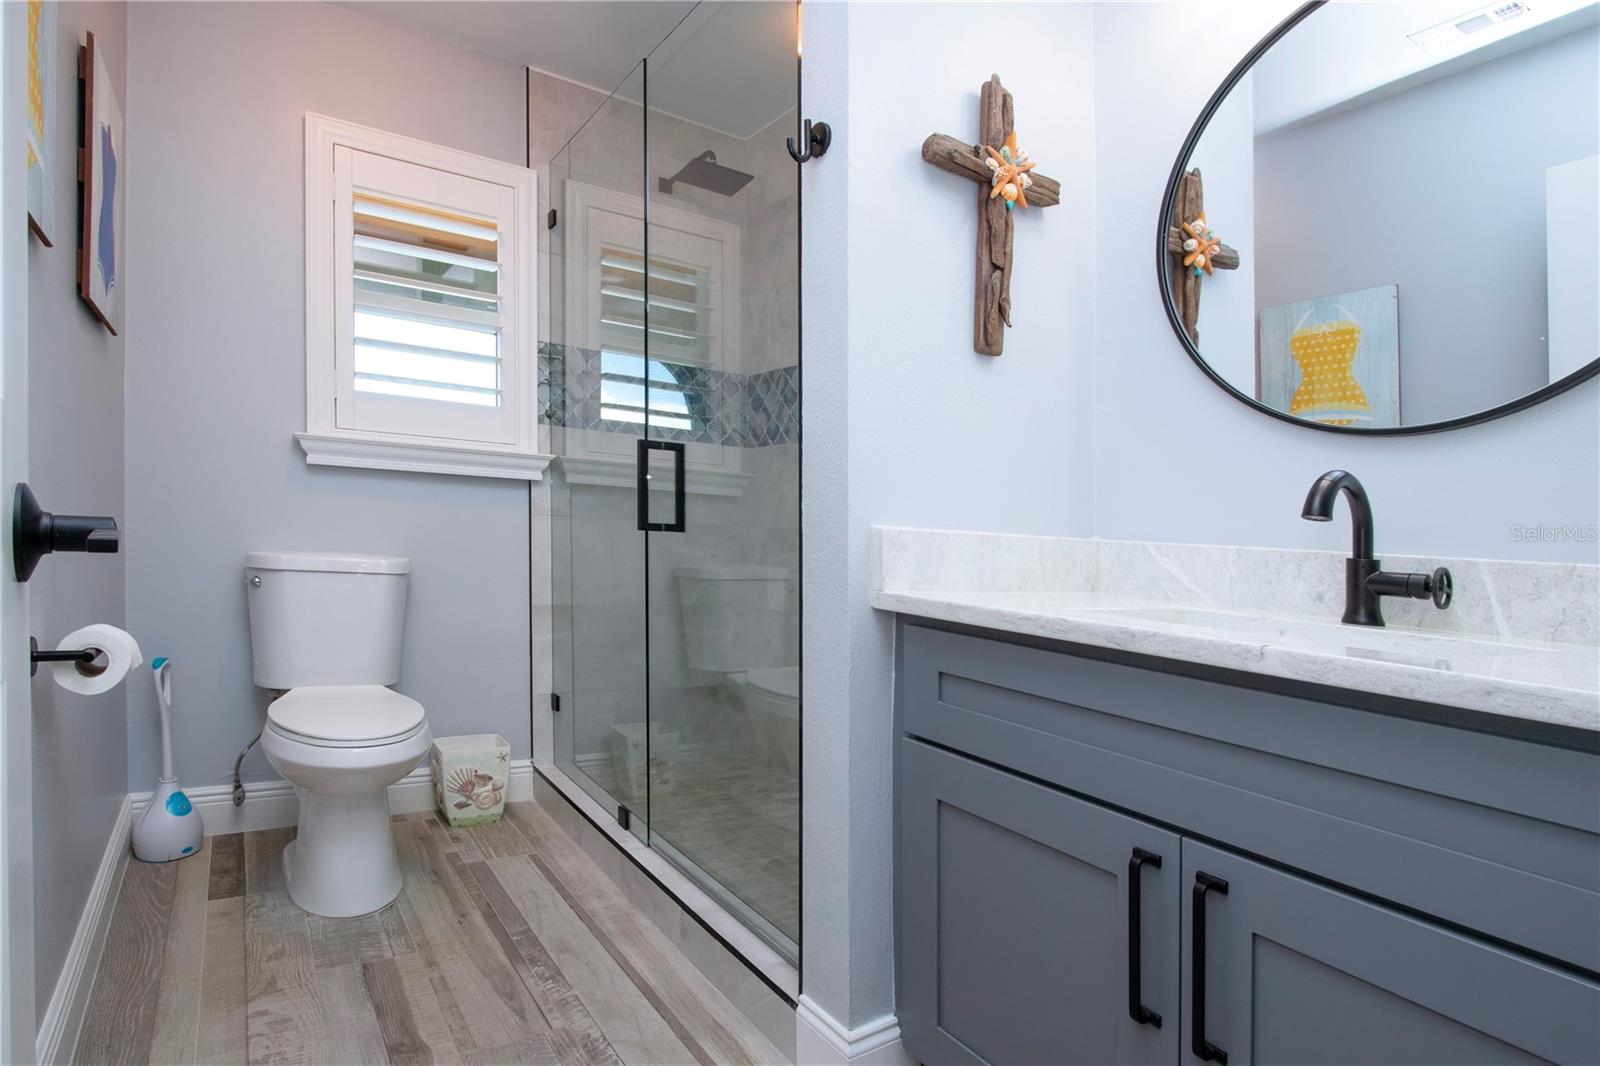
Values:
[(17, 992)]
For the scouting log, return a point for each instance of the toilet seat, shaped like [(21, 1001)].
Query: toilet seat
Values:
[(780, 682), (346, 716)]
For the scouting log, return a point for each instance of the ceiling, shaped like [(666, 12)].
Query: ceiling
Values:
[(729, 66), (1346, 54)]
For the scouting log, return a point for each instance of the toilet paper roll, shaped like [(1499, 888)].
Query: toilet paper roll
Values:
[(121, 654)]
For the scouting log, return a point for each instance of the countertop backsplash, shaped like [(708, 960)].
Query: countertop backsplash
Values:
[(1499, 599)]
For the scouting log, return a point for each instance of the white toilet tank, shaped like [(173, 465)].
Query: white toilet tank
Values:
[(325, 618), (738, 618)]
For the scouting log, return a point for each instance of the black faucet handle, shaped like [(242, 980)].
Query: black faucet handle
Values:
[(1441, 587), (1436, 586)]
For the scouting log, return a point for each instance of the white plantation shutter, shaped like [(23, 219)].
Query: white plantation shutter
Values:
[(420, 307), (427, 306), (426, 343)]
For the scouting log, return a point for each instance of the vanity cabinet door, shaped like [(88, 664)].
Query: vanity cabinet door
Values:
[(1295, 972), (1014, 921)]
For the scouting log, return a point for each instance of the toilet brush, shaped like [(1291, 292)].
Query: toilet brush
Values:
[(169, 828)]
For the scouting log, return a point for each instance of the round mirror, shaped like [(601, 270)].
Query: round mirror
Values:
[(1387, 219)]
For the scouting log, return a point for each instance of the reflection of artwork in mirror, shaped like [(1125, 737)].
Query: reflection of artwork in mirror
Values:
[(1333, 360), (1369, 146)]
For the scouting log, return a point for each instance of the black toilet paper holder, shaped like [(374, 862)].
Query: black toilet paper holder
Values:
[(84, 657)]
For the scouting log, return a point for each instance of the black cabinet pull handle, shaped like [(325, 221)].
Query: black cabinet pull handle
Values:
[(679, 486), (1136, 1009), (1203, 1049)]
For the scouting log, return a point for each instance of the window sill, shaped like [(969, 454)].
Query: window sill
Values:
[(375, 453)]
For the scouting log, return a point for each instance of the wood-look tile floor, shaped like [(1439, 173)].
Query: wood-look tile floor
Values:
[(507, 945)]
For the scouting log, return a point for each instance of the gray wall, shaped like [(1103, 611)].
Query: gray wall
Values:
[(1176, 459), (75, 416), (216, 369), (1452, 209), (903, 423)]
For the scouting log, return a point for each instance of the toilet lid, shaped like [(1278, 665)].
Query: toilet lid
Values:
[(782, 681), (343, 714)]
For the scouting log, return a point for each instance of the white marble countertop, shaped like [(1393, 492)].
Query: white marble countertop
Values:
[(1532, 680)]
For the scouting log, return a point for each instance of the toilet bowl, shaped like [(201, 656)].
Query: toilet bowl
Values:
[(741, 622), (770, 699), (325, 630), (342, 746)]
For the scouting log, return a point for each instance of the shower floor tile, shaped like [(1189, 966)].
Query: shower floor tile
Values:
[(507, 944), (734, 816)]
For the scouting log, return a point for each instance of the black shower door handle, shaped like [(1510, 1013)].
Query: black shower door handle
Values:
[(679, 488)]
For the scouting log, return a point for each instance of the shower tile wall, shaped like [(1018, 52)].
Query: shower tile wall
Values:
[(732, 409)]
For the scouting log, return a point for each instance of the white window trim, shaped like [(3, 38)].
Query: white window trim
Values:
[(324, 442), (596, 457)]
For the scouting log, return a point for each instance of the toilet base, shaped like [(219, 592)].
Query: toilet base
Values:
[(342, 862)]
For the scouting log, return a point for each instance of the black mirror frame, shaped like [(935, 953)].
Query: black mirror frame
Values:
[(1164, 281)]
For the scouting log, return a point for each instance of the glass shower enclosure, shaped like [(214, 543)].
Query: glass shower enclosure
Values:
[(674, 404)]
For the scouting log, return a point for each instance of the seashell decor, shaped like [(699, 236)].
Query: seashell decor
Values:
[(469, 777)]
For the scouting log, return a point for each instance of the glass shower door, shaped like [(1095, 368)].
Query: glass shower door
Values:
[(596, 410), (673, 397), (723, 405)]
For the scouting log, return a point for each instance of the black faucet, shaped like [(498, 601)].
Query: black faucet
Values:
[(1365, 583)]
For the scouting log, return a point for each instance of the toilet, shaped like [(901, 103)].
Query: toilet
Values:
[(740, 622), (326, 630)]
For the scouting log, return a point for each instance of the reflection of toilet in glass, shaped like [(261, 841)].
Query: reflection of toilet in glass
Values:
[(1328, 392), (740, 622)]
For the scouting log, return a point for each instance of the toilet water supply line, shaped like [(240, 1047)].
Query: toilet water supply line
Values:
[(238, 785)]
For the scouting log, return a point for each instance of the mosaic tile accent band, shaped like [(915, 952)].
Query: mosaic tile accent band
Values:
[(734, 410)]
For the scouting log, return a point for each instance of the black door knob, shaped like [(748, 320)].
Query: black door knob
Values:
[(36, 532)]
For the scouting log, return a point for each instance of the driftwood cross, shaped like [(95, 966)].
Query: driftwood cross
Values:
[(996, 223), (1189, 204)]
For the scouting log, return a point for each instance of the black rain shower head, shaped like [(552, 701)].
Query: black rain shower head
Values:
[(704, 172)]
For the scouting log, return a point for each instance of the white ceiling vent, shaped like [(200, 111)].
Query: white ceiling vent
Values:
[(1481, 25)]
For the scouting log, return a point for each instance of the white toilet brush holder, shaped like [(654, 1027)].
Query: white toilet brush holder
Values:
[(169, 827)]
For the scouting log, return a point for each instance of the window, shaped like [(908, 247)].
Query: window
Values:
[(420, 312), (693, 331)]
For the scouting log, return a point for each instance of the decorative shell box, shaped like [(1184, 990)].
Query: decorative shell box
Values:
[(469, 777)]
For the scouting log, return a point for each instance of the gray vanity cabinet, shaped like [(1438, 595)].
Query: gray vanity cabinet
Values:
[(1297, 972), (1362, 887), (1014, 934)]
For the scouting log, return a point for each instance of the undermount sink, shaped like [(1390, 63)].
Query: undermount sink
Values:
[(1202, 618), (1393, 642)]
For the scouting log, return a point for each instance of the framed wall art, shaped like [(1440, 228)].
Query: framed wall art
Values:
[(100, 255)]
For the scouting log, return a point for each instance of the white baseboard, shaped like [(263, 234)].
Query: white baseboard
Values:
[(63, 1018), (272, 804), (822, 1040)]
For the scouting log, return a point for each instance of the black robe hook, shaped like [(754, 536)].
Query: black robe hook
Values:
[(817, 138)]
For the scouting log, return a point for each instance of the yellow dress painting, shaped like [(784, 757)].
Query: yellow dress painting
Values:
[(1333, 360), (1328, 392)]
